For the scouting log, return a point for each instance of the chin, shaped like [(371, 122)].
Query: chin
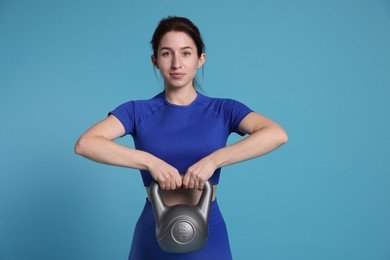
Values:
[(177, 85)]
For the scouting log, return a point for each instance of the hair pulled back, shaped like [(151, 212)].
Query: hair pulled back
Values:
[(177, 24)]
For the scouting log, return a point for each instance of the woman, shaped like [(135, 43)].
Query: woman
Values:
[(180, 138)]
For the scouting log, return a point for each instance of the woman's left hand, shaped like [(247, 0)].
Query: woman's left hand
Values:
[(198, 173)]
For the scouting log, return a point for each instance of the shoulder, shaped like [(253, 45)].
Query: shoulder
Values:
[(154, 102), (138, 109), (220, 105), (132, 111), (230, 110), (143, 104)]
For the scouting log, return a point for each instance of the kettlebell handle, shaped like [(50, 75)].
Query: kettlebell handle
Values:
[(160, 207), (205, 200)]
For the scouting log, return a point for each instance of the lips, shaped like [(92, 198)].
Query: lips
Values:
[(177, 75)]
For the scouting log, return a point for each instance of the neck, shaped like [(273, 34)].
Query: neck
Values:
[(181, 97)]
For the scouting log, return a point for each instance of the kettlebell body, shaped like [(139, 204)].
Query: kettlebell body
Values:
[(181, 228)]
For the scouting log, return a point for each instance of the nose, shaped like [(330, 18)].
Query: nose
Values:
[(176, 62)]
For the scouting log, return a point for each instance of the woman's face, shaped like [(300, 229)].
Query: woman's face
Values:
[(177, 60)]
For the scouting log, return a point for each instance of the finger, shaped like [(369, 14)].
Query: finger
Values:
[(196, 186), (191, 183), (173, 182), (168, 181), (165, 183), (179, 180), (185, 180), (162, 185), (200, 185)]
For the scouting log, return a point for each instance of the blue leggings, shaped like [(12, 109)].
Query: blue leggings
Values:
[(145, 244)]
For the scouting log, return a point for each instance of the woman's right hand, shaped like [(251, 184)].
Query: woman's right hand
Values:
[(167, 176)]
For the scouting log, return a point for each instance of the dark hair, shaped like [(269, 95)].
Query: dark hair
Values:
[(178, 24)]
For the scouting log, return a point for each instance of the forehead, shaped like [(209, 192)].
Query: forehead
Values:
[(175, 40)]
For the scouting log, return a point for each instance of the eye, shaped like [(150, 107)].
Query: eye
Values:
[(166, 54), (186, 53)]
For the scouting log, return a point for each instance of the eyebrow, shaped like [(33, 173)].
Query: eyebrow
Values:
[(183, 48)]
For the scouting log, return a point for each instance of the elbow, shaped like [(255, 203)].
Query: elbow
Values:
[(276, 134), (79, 147), (279, 135), (282, 136)]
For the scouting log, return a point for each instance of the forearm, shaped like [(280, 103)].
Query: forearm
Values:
[(257, 144), (105, 151)]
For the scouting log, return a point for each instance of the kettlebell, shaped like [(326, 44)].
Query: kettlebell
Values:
[(181, 228)]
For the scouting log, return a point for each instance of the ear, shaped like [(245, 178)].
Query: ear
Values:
[(201, 60), (154, 61)]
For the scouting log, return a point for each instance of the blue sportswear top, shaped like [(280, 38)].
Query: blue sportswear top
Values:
[(181, 135)]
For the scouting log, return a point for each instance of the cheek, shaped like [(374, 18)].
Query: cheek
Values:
[(194, 65), (163, 65)]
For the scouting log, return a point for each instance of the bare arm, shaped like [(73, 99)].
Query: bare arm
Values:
[(264, 136), (97, 144)]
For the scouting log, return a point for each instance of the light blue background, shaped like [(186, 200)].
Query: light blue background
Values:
[(319, 68)]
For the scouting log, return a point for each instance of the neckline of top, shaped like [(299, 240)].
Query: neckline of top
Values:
[(181, 106)]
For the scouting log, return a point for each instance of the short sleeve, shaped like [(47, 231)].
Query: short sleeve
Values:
[(236, 114), (125, 114)]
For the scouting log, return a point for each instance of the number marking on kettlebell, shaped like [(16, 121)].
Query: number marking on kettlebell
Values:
[(182, 232)]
